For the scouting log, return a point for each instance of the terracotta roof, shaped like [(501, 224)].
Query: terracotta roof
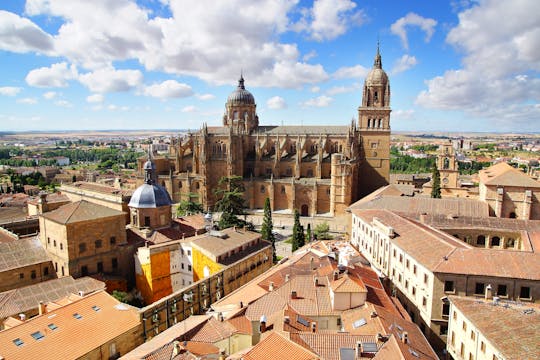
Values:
[(27, 298), (328, 345), (440, 252), (212, 331), (80, 211), (231, 240), (514, 329), (421, 204), (348, 284), (97, 187), (12, 213), (503, 174), (20, 253), (190, 224), (110, 321), (275, 344), (50, 198)]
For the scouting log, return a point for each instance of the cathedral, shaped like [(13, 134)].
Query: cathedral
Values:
[(314, 169)]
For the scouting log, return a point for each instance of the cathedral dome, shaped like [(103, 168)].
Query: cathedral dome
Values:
[(377, 77), (241, 96), (150, 196)]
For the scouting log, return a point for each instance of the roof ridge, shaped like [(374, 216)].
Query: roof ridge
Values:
[(73, 211)]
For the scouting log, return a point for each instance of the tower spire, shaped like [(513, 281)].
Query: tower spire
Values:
[(378, 62), (241, 80)]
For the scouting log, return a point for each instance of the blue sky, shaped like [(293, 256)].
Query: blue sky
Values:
[(170, 64)]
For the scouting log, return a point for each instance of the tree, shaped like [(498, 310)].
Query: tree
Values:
[(298, 236), (268, 227), (308, 232), (322, 231), (231, 201), (189, 207), (435, 183)]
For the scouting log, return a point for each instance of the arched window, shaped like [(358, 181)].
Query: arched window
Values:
[(179, 184), (510, 243), (224, 149), (481, 240), (369, 123), (495, 241), (283, 189), (197, 186), (380, 123), (376, 97)]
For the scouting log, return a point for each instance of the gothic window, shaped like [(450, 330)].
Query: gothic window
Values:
[(369, 123), (446, 163), (376, 97), (197, 186), (380, 123), (283, 189), (224, 149)]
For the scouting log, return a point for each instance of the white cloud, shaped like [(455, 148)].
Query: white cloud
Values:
[(310, 55), (189, 109), (27, 101), (328, 19), (55, 76), (357, 71), (63, 103), (411, 19), (10, 90), (168, 89), (404, 63), (49, 95), (498, 56), (276, 103), (343, 89), (21, 35), (113, 107), (315, 89), (403, 114), (320, 101), (205, 97), (95, 98), (111, 80)]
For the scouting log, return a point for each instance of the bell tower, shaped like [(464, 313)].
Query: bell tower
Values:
[(374, 127)]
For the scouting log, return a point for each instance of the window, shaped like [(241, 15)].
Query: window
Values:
[(182, 265), (189, 252), (48, 240), (61, 246), (425, 278), (114, 263), (473, 335), (471, 357), (310, 173), (443, 330), (100, 267), (112, 240), (63, 272), (401, 258), (414, 290), (283, 190), (510, 243), (445, 309), (464, 326), (479, 288), (82, 247), (481, 240), (54, 243), (495, 241), (189, 267), (407, 263), (147, 221), (33, 274), (98, 244), (414, 269), (462, 350), (374, 145), (525, 292), (448, 286), (37, 335), (454, 315), (21, 275), (482, 346), (424, 301), (501, 290), (84, 270), (406, 284), (46, 271)]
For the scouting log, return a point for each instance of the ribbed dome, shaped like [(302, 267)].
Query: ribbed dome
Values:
[(241, 95), (377, 77), (150, 196)]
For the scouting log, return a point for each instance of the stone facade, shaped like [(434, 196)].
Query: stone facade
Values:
[(314, 169)]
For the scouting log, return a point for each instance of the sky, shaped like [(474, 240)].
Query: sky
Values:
[(454, 66)]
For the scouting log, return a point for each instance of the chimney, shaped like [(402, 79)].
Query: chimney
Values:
[(287, 277), (222, 355), (271, 286), (241, 304), (405, 337), (313, 327), (262, 324), (81, 293), (488, 294), (311, 263), (294, 294), (22, 317), (42, 308), (220, 317), (316, 281), (373, 314), (176, 348), (336, 275), (423, 217), (358, 350), (286, 319)]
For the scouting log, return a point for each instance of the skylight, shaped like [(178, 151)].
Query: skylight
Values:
[(96, 308), (18, 342), (302, 321), (77, 316), (37, 335), (52, 326), (359, 323)]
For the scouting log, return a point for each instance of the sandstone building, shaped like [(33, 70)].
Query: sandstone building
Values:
[(314, 169)]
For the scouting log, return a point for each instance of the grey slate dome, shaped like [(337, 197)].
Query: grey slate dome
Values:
[(241, 96), (150, 196)]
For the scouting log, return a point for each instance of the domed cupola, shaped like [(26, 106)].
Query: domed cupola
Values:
[(376, 86), (150, 204), (241, 96), (240, 110)]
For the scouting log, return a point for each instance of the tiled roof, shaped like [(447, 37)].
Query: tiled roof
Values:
[(50, 198), (348, 284), (421, 204), (212, 331), (275, 344), (218, 246), (69, 340), (20, 253), (97, 187), (26, 298), (12, 213), (440, 252), (512, 329), (503, 174), (80, 211), (327, 345)]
